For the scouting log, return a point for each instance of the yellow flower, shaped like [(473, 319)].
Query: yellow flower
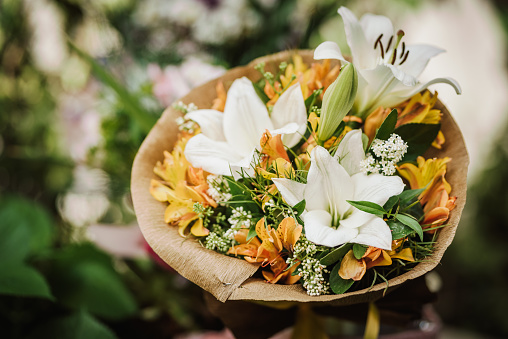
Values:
[(435, 200), (424, 173), (182, 187), (319, 75)]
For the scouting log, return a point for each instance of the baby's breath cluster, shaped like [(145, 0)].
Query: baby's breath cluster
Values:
[(181, 107), (216, 242), (385, 154), (311, 271), (240, 218), (218, 239), (218, 188)]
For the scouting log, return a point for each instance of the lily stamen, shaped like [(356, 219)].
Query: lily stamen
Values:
[(389, 43), (403, 49), (378, 41), (405, 58), (394, 56)]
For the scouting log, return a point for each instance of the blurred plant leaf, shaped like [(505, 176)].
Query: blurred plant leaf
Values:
[(84, 277), (130, 102), (79, 325), (25, 228), (24, 281)]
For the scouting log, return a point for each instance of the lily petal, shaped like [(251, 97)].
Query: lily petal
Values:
[(291, 191), (290, 108), (245, 117), (317, 229), (350, 152), (328, 50), (376, 188), (363, 52), (328, 184), (374, 233), (210, 121), (212, 156), (418, 58), (375, 25)]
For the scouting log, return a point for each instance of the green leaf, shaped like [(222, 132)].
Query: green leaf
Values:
[(418, 137), (392, 201), (368, 207), (365, 142), (388, 126), (25, 228), (130, 102), (337, 284), (252, 232), (79, 325), (406, 197), (359, 250), (23, 281), (412, 223), (299, 208), (335, 255), (84, 277), (399, 230)]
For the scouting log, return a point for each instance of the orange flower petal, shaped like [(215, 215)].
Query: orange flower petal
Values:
[(351, 268), (198, 229)]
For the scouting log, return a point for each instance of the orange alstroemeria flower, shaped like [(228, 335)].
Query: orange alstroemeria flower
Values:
[(319, 75), (435, 200), (274, 163), (182, 185), (418, 109), (268, 250), (352, 268), (220, 102)]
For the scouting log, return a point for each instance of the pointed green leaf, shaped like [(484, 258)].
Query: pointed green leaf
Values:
[(335, 255), (418, 137), (359, 250), (411, 222), (394, 200), (337, 284), (252, 232), (399, 230), (368, 207), (406, 197), (299, 208), (24, 281), (388, 126)]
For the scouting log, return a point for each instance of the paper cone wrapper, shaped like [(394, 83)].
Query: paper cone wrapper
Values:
[(230, 278)]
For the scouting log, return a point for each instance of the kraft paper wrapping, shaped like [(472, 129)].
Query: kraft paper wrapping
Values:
[(229, 278)]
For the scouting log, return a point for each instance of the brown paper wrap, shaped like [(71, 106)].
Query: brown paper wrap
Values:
[(228, 278)]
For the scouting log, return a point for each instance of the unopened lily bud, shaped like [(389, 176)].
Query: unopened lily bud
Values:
[(337, 101)]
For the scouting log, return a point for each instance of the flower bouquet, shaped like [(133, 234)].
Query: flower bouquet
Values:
[(307, 180)]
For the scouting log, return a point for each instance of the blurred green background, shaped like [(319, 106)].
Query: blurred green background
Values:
[(83, 81)]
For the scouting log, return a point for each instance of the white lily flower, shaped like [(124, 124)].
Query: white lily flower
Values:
[(388, 71), (228, 140), (329, 219)]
